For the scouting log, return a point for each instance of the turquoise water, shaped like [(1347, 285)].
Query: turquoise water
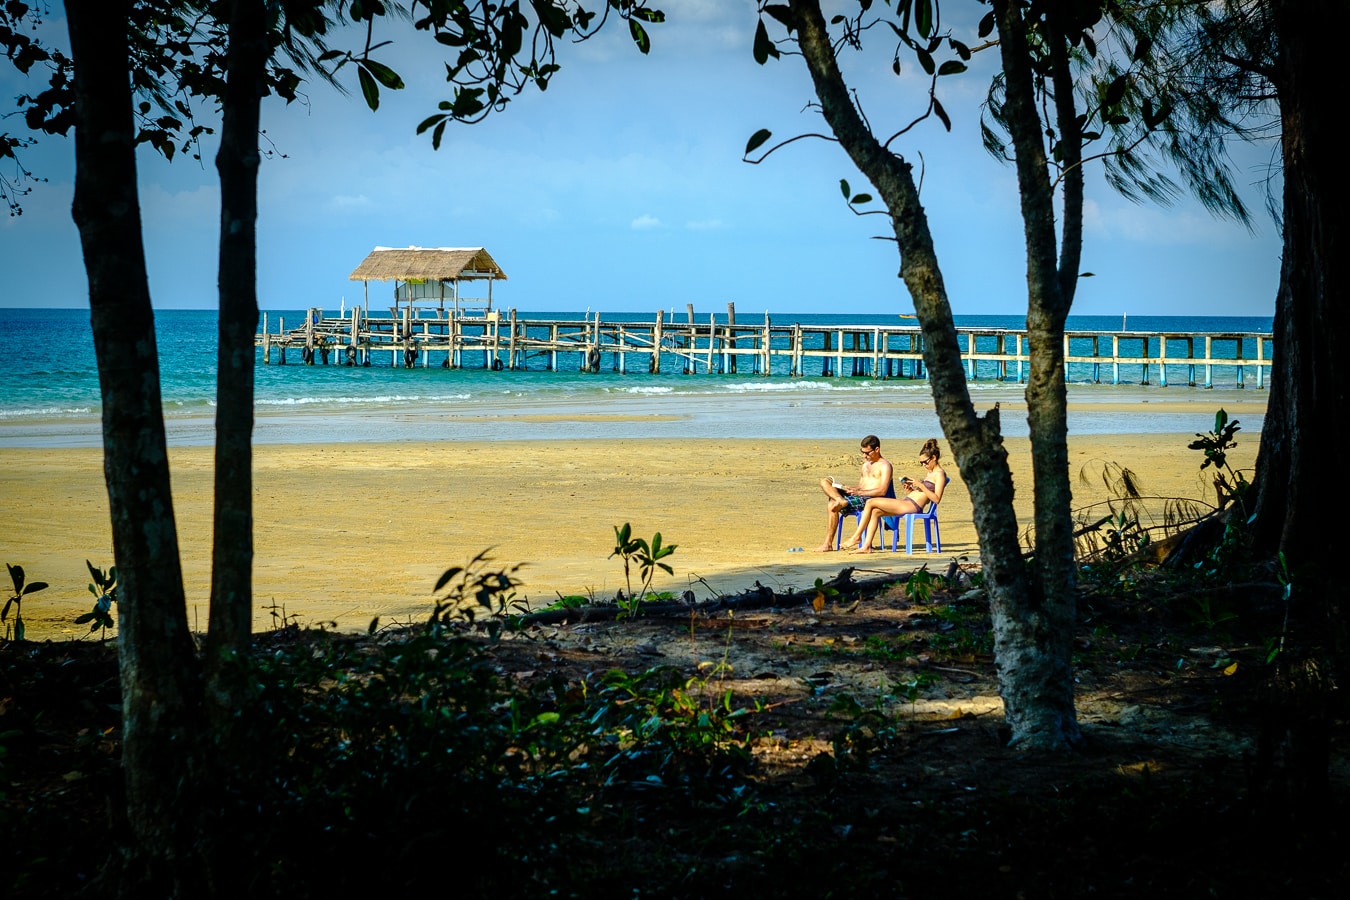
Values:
[(49, 392)]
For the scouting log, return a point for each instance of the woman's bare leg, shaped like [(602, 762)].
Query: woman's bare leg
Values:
[(876, 512)]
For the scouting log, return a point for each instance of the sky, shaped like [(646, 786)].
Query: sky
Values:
[(622, 189)]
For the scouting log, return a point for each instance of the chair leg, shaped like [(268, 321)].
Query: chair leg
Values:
[(909, 535), (839, 532)]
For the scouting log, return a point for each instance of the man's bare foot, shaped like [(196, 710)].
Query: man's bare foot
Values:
[(858, 550), (826, 547), (839, 506)]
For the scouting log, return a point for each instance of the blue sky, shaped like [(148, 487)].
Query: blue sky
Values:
[(622, 189)]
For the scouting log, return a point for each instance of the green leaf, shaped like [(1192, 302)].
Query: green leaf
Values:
[(942, 114), (639, 34), (4, 613), (384, 75), (1116, 90), (655, 16), (843, 188), (446, 576), (764, 48), (19, 630), (16, 575), (925, 60), (860, 199), (757, 140), (951, 67), (923, 17), (1142, 48), (782, 12), (34, 587), (987, 25), (430, 121), (437, 135), (369, 89)]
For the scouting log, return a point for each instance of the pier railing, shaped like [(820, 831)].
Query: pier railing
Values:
[(505, 342)]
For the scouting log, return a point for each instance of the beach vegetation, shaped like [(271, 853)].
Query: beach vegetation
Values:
[(462, 592), (22, 588), (104, 589), (643, 555)]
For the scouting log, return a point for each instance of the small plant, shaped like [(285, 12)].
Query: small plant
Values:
[(469, 587), (822, 592), (21, 589), (1229, 484), (104, 589), (646, 557), (570, 601), (920, 586)]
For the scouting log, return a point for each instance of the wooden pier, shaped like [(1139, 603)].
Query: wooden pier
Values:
[(492, 339)]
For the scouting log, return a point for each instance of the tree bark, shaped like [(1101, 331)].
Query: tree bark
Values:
[(1031, 637), (237, 164), (160, 695), (1304, 439), (1044, 627)]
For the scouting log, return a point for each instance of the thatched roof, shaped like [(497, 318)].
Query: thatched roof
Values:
[(416, 263)]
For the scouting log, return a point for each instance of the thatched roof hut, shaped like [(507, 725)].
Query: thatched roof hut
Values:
[(427, 276)]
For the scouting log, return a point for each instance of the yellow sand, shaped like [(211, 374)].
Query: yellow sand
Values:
[(346, 532)]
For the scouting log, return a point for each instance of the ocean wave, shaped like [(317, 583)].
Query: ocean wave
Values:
[(647, 391), (45, 412), (377, 398)]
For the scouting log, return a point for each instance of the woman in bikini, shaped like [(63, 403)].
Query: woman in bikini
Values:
[(916, 499)]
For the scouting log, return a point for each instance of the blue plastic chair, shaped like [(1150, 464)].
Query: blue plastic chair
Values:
[(857, 517), (932, 536)]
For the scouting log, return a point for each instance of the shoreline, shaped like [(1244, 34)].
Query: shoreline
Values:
[(345, 532), (786, 412)]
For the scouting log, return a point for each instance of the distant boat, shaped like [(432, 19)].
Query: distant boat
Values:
[(908, 316)]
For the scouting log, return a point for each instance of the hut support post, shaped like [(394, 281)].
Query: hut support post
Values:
[(731, 346), (712, 339), (655, 366)]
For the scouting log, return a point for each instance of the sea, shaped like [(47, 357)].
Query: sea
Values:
[(49, 392)]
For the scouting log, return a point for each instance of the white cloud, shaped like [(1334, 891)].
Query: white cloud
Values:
[(645, 222), (1154, 225), (160, 204), (348, 202)]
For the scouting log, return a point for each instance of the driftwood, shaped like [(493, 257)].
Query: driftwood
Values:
[(758, 597)]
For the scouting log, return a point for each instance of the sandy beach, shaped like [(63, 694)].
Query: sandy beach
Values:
[(347, 532)]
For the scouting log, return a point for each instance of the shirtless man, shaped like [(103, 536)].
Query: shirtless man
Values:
[(875, 481)]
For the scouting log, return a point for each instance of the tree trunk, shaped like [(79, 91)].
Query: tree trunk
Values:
[(1040, 635), (237, 163), (160, 694), (1031, 637), (1304, 441)]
